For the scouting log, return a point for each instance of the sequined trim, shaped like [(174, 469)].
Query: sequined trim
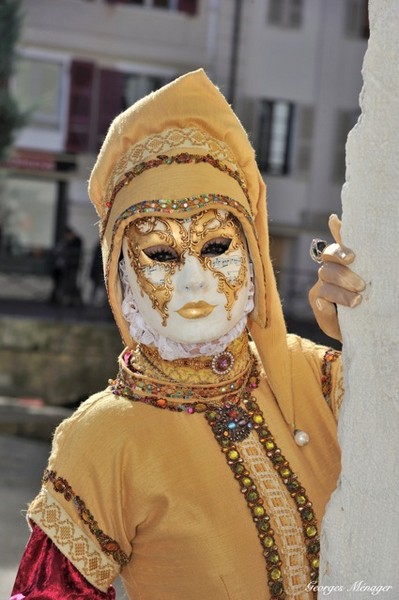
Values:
[(166, 206), (97, 568), (259, 516), (284, 518), (287, 476), (292, 484), (108, 545), (183, 158), (326, 376)]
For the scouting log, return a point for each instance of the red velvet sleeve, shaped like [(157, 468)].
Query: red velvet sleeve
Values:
[(46, 574)]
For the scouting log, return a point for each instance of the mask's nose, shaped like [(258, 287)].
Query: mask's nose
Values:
[(192, 277)]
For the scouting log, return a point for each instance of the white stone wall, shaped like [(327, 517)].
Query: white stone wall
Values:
[(360, 535)]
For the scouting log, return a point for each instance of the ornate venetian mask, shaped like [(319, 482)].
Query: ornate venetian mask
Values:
[(189, 277)]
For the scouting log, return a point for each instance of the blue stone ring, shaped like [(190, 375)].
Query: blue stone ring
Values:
[(316, 249)]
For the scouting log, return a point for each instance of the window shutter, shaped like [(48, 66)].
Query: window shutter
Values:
[(80, 106), (188, 6), (109, 101), (346, 119), (276, 12), (304, 139)]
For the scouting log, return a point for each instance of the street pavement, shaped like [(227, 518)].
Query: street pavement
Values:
[(22, 462)]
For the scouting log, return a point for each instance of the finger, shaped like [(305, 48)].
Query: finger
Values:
[(326, 307), (337, 253), (334, 224), (325, 312), (341, 276), (338, 295)]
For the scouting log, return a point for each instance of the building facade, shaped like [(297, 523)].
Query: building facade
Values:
[(292, 69)]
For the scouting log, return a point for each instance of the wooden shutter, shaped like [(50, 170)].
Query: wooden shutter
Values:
[(304, 140), (80, 106), (109, 101), (190, 7)]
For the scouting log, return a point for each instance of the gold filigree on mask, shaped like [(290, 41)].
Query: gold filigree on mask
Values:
[(157, 248), (230, 267), (154, 277)]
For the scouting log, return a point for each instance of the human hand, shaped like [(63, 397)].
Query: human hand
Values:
[(337, 283)]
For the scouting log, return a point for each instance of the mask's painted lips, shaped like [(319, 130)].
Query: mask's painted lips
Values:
[(195, 310)]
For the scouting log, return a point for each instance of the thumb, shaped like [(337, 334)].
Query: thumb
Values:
[(334, 224)]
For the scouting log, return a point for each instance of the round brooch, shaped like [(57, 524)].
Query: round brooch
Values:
[(231, 422), (222, 363)]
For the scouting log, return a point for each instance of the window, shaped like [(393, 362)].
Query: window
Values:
[(285, 13), (275, 126), (96, 97), (27, 216), (81, 98), (186, 6), (37, 88), (346, 120), (136, 86), (357, 19)]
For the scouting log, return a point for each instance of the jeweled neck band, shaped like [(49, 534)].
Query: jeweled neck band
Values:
[(144, 375), (203, 370)]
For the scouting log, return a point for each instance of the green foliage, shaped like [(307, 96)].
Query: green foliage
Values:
[(11, 118), (10, 26)]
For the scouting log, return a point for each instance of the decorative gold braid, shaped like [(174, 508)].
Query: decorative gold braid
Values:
[(191, 371), (198, 362), (170, 140), (175, 395)]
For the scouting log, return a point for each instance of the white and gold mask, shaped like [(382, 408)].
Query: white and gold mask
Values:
[(190, 278)]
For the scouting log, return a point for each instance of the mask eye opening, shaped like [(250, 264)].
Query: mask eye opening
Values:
[(216, 246), (162, 253)]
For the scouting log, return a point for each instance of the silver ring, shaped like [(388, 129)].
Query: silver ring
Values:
[(316, 249)]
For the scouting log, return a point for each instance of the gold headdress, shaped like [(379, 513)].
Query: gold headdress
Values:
[(177, 152)]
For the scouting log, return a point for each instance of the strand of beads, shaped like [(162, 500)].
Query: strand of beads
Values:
[(255, 504), (291, 482)]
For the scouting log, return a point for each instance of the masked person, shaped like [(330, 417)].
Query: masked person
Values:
[(203, 470)]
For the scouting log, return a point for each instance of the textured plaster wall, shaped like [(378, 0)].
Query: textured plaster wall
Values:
[(360, 535)]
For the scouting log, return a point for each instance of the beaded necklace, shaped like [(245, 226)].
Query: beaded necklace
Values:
[(232, 420)]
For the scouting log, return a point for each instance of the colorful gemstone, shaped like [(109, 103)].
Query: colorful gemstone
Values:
[(311, 531)]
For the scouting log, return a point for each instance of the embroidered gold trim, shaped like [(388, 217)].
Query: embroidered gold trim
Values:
[(326, 375), (167, 141), (108, 545), (283, 515), (96, 567)]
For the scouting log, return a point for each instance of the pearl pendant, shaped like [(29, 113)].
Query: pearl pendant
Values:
[(301, 437)]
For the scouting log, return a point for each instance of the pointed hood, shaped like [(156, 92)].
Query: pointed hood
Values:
[(176, 152)]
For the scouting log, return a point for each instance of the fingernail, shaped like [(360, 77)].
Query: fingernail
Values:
[(356, 301), (319, 304)]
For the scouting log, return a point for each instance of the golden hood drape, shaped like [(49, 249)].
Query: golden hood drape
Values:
[(177, 152)]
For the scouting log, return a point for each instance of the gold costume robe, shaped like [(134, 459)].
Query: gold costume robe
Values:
[(146, 491)]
